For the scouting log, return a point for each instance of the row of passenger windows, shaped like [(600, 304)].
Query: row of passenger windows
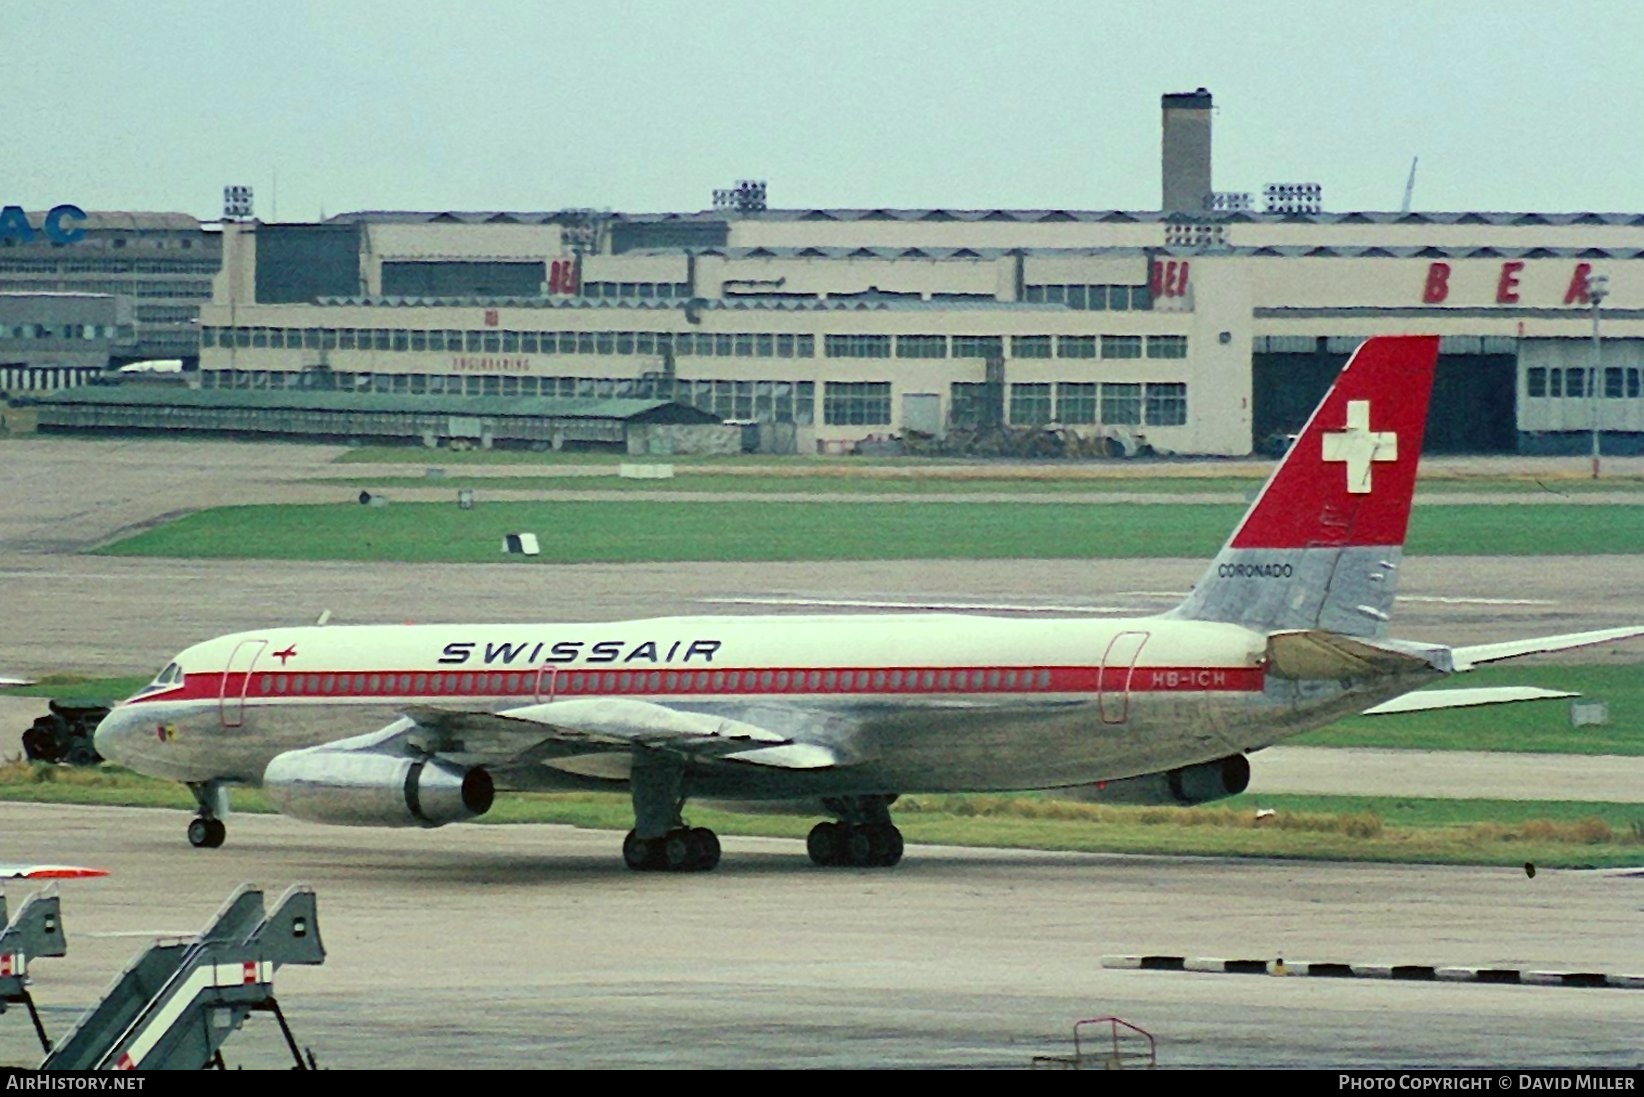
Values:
[(516, 684), (698, 344), (1096, 298), (1620, 382)]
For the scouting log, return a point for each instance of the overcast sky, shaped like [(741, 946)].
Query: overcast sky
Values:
[(332, 105)]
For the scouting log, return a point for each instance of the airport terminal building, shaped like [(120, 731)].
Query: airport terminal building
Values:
[(1206, 327)]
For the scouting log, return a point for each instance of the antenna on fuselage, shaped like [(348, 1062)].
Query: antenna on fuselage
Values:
[(323, 619)]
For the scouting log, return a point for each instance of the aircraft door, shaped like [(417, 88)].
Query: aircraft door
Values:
[(237, 681), (547, 680), (1118, 667)]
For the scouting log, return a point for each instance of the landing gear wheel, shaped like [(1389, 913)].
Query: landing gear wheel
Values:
[(858, 846), (680, 851), (893, 846), (822, 843), (707, 844), (206, 833), (637, 852)]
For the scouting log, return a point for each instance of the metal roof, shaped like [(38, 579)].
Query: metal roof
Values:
[(619, 408), (131, 221)]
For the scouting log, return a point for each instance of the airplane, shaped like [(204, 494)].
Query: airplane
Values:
[(838, 715)]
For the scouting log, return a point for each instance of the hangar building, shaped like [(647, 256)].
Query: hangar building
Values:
[(1205, 327)]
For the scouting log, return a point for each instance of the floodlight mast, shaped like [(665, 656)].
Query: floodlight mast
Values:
[(1598, 287)]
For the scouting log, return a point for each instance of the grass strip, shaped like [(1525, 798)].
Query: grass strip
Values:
[(749, 530)]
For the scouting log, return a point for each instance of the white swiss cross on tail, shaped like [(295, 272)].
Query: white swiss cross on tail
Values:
[(1358, 446)]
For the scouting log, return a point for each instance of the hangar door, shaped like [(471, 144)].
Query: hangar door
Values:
[(1473, 410)]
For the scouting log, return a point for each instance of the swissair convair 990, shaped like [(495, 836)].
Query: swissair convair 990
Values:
[(419, 725)]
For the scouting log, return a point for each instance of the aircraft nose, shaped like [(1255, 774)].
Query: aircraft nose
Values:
[(112, 732)]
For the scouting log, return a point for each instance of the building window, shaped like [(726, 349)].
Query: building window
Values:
[(857, 346), (1029, 404), (1076, 346), (1121, 346), (1122, 404), (978, 346), (1166, 404), (1536, 381), (1167, 346), (856, 403), (1076, 402), (969, 403), (921, 346), (1030, 346)]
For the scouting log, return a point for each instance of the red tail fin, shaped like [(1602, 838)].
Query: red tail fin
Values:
[(1349, 478)]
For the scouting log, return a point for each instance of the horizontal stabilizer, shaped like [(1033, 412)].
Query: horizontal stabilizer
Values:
[(1469, 657), (1315, 654), (1429, 700)]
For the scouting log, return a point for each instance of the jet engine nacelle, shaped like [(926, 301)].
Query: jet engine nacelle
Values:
[(1188, 785), (375, 790)]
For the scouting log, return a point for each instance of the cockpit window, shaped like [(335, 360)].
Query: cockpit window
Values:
[(171, 676)]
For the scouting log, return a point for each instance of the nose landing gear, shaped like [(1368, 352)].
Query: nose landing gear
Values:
[(207, 830), (206, 833)]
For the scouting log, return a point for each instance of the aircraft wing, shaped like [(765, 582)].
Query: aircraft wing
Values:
[(571, 735), (1477, 655), (1428, 700)]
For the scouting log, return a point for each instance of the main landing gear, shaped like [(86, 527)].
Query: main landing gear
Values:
[(864, 837), (207, 830), (660, 840), (683, 849)]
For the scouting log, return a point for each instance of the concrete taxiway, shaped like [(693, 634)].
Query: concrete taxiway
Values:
[(506, 946)]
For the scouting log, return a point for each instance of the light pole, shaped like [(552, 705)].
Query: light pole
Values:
[(1598, 287)]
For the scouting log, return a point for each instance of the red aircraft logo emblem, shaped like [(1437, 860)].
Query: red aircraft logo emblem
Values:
[(282, 656)]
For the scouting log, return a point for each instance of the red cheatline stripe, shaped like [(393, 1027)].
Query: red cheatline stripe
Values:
[(737, 682)]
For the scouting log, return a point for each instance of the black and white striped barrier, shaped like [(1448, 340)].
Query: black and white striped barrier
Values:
[(1408, 972)]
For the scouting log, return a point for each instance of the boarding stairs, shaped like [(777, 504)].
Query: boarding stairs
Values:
[(178, 1001), (36, 931)]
